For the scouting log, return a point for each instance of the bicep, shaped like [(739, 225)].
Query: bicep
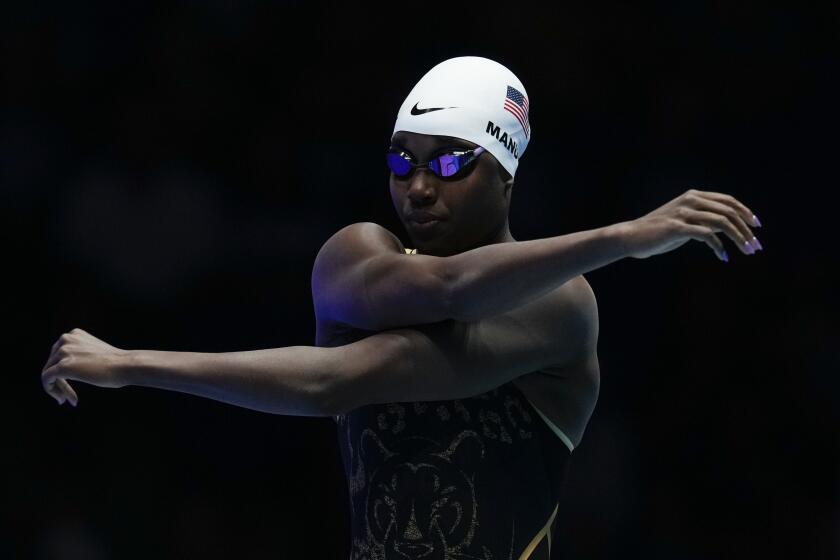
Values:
[(363, 278)]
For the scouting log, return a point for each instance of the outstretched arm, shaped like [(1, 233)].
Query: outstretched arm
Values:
[(294, 380), (363, 278), (442, 361)]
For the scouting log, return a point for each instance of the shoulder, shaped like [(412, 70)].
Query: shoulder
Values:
[(356, 241), (362, 234)]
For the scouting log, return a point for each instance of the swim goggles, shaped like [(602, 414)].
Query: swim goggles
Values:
[(447, 165)]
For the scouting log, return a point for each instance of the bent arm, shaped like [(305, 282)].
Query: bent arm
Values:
[(440, 361), (363, 278), (291, 381), (453, 360)]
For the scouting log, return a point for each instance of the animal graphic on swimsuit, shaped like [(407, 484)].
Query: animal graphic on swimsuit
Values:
[(425, 506)]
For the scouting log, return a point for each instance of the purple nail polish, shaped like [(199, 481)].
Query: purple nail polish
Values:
[(755, 221), (750, 248), (757, 243), (725, 257)]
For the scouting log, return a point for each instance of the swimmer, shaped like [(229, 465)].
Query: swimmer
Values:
[(461, 371)]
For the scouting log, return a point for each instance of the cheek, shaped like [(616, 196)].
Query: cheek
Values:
[(477, 209), (395, 191), (479, 201)]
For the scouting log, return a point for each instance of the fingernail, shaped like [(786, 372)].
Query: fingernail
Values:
[(750, 248), (755, 221), (756, 243), (725, 257)]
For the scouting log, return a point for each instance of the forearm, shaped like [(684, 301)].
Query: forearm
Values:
[(292, 381), (496, 278)]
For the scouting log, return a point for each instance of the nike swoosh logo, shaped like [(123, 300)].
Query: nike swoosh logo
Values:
[(416, 111)]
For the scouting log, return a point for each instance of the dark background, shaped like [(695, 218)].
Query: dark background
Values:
[(169, 172)]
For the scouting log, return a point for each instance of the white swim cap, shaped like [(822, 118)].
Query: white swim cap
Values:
[(475, 99)]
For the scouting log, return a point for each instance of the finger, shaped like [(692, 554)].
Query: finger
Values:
[(49, 376), (58, 342), (707, 236), (53, 391), (51, 357), (59, 389), (54, 358), (61, 353), (62, 340), (746, 214), (734, 216), (718, 223), (68, 391)]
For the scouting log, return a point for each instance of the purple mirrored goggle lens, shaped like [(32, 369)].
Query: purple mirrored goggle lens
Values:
[(444, 165), (398, 164)]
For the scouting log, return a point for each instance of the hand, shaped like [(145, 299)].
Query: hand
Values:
[(81, 356), (692, 215)]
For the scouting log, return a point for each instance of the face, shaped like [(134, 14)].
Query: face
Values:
[(472, 209)]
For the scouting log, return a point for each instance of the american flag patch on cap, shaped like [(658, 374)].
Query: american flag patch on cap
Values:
[(517, 105)]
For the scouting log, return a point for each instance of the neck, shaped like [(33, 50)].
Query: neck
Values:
[(501, 235)]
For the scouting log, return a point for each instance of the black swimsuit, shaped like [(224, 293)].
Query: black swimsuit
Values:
[(474, 478)]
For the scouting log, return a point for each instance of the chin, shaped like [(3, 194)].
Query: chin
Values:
[(417, 244), (421, 245), (429, 242)]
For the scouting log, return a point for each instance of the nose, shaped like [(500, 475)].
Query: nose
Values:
[(422, 187)]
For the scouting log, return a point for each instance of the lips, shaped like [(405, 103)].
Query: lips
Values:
[(424, 229), (423, 217)]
